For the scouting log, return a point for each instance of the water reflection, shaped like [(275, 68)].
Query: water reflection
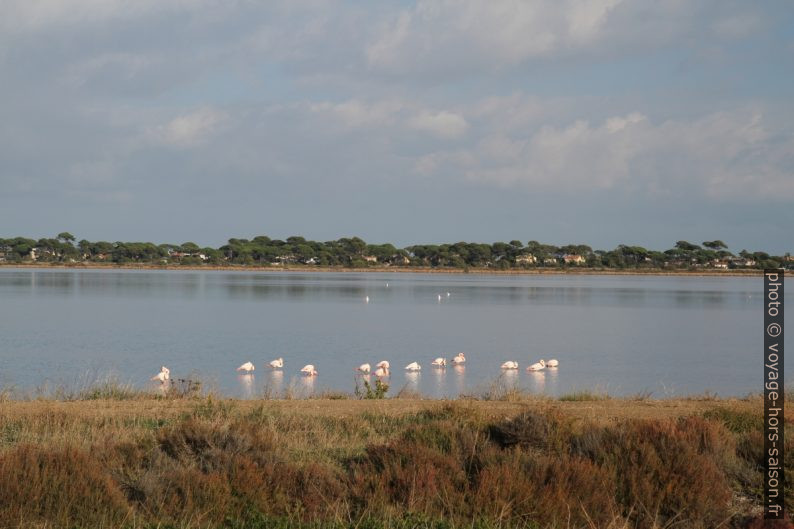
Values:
[(246, 382), (306, 386), (552, 380), (412, 380), (274, 385), (537, 381), (361, 381), (638, 292), (161, 388), (509, 379), (439, 380), (460, 379)]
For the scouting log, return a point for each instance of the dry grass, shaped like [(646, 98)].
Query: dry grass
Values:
[(517, 462)]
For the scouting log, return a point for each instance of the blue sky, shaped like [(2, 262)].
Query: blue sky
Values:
[(564, 121)]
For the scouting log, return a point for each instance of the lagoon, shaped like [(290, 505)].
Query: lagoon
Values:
[(660, 335)]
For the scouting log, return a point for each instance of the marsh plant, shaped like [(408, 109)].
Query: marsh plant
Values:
[(369, 392)]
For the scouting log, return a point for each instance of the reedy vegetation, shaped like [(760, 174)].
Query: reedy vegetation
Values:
[(207, 462)]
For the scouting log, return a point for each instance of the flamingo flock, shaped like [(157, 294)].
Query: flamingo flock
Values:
[(382, 368)]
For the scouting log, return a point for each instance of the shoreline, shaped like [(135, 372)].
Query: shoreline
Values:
[(398, 270)]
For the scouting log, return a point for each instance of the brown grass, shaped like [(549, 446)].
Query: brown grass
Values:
[(535, 463)]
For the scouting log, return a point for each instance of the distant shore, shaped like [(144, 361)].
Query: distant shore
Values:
[(395, 269)]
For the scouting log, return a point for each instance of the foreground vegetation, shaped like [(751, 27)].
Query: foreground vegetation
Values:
[(356, 253), (136, 461)]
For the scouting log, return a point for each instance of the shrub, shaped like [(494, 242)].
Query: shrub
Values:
[(57, 487)]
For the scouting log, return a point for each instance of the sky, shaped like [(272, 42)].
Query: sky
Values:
[(564, 121)]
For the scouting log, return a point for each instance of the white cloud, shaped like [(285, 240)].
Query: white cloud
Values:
[(29, 15), (443, 124), (470, 35), (393, 115), (190, 129), (724, 154), (356, 113), (115, 65)]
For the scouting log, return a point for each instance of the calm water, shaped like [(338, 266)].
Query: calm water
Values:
[(666, 335)]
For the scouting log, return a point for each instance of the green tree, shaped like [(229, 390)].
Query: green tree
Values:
[(715, 245)]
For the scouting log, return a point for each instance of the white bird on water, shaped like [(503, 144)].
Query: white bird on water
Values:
[(552, 363), (384, 364), (537, 366), (439, 297), (413, 366), (440, 362), (163, 376), (278, 363), (247, 367), (309, 370), (510, 364), (382, 372), (366, 299), (447, 294), (364, 369), (460, 358)]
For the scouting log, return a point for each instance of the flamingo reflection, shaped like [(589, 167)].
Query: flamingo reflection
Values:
[(246, 382)]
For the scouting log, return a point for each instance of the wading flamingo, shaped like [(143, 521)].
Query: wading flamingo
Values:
[(510, 364), (413, 366), (247, 367), (552, 363), (278, 363), (382, 372), (363, 369), (439, 362), (384, 364), (163, 376), (309, 370), (460, 358), (537, 366)]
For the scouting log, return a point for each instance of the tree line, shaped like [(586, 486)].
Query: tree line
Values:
[(355, 252)]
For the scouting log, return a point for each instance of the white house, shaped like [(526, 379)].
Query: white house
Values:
[(574, 259)]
